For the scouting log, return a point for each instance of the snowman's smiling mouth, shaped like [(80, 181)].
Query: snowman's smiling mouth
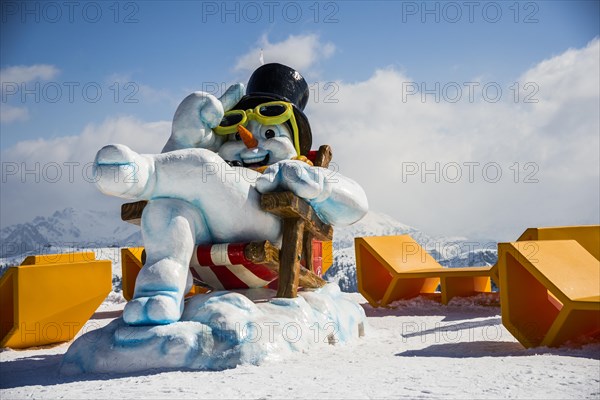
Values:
[(256, 161)]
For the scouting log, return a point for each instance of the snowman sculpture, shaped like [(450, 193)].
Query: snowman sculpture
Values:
[(205, 186)]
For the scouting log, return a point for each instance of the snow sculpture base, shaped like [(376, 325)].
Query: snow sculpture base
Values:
[(221, 330)]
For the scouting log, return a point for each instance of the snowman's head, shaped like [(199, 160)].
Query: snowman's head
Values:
[(264, 135)]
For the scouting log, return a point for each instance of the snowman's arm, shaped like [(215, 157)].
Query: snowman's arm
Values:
[(196, 117), (192, 125), (120, 171)]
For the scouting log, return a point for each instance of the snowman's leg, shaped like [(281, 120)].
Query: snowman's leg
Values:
[(170, 228)]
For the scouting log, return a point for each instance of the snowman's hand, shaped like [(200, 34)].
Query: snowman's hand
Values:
[(231, 97), (195, 117), (120, 171), (303, 180), (337, 200)]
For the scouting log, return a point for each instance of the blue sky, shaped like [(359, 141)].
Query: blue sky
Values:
[(177, 46), (156, 52)]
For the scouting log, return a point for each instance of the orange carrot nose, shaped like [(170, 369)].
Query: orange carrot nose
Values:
[(247, 137)]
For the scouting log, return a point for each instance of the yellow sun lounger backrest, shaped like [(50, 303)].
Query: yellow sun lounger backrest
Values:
[(550, 284), (48, 298), (390, 268)]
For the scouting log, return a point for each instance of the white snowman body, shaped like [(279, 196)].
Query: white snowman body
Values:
[(196, 196)]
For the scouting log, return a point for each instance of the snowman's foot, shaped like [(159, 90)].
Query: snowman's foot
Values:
[(160, 309), (120, 171)]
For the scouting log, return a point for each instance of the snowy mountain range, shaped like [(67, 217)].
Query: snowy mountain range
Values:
[(68, 228), (74, 228)]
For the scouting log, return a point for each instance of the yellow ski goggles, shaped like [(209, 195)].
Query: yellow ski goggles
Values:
[(271, 113)]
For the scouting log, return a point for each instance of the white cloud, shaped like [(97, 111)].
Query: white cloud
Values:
[(44, 175), (27, 73), (375, 133), (10, 114), (302, 52)]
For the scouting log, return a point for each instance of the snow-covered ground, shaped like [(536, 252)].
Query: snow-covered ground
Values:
[(418, 349)]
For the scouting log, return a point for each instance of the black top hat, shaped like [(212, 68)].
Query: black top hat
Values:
[(272, 82)]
